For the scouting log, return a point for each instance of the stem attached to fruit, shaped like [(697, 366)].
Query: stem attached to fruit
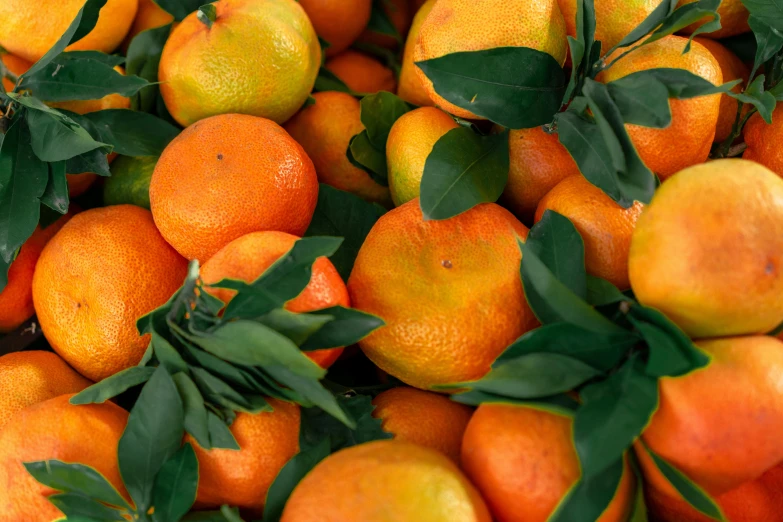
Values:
[(207, 14)]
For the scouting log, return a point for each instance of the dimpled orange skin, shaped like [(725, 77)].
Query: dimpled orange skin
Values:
[(30, 377), (149, 16), (88, 305), (410, 142), (410, 87), (733, 19), (764, 140), (245, 174), (449, 292), (523, 462), (338, 22), (400, 14), (724, 221), (267, 440), (614, 19), (30, 29), (474, 25), (688, 139), (362, 73), (16, 299), (690, 428), (605, 226), (325, 129), (249, 256), (732, 68), (424, 418), (55, 430), (260, 57), (538, 162), (385, 481)]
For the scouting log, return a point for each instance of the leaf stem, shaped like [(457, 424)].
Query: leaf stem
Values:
[(739, 124)]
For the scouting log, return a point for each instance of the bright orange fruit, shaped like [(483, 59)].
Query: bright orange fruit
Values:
[(361, 72), (410, 87), (338, 22), (763, 140)]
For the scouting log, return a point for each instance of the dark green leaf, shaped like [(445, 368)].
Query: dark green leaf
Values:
[(112, 386), (653, 20), (562, 404), (297, 327), (207, 14), (219, 434), (311, 391), (463, 170), (516, 87), (195, 421), (364, 155), (217, 392), (75, 478), (132, 133), (559, 245), (98, 56), (755, 95), (639, 513), (144, 54), (379, 111), (348, 326), (685, 15), (317, 425), (94, 161), (380, 22), (74, 505), (771, 11), (56, 194), (769, 42), (179, 9), (601, 292), (589, 498), (175, 486)]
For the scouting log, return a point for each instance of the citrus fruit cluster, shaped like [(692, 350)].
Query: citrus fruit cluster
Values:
[(391, 260)]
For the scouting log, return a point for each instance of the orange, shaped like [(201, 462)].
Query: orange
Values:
[(410, 142), (362, 73), (605, 226), (325, 129), (523, 462), (385, 481), (423, 418), (720, 425), (470, 25), (733, 19), (149, 16), (110, 101), (538, 162), (708, 250), (259, 57), (410, 87), (88, 304), (763, 140), (30, 29), (16, 299), (249, 256), (614, 19), (399, 13), (449, 292), (28, 378), (338, 22), (244, 174), (732, 69), (688, 139), (55, 430), (267, 440)]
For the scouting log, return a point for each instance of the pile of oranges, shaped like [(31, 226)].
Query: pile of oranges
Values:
[(240, 185)]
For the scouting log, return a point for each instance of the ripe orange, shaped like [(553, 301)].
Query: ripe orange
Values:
[(708, 250), (410, 142), (149, 16), (467, 25), (385, 481), (523, 461), (614, 19), (688, 139), (338, 22), (538, 162), (325, 129), (259, 57), (605, 226), (733, 19), (362, 73), (267, 440), (410, 87), (764, 140), (29, 29), (732, 68), (449, 291), (88, 304), (249, 256), (244, 174), (110, 101), (16, 299), (423, 418), (690, 428), (55, 430), (400, 14)]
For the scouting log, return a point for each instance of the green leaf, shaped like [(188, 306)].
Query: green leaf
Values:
[(56, 194), (589, 498), (769, 42), (207, 14), (463, 170), (179, 9), (516, 87), (311, 391), (684, 16), (379, 111), (132, 133), (94, 161), (346, 215), (317, 425), (653, 20), (295, 326), (75, 478), (364, 155), (755, 95), (639, 513), (195, 421), (219, 434), (559, 245), (153, 434), (771, 11), (347, 327), (601, 292), (107, 59), (560, 404), (581, 47), (144, 54), (218, 392), (690, 491), (380, 22), (112, 386), (613, 415), (74, 505), (175, 486)]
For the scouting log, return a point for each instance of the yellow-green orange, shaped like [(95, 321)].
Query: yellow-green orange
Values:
[(614, 19), (130, 181), (259, 57), (410, 87), (708, 250), (410, 142)]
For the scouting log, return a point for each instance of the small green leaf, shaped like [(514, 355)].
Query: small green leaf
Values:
[(94, 161), (771, 11), (601, 292), (217, 392), (589, 497), (347, 327), (75, 478), (112, 386), (313, 392), (364, 155), (144, 54), (56, 194), (684, 16), (516, 87), (769, 42), (317, 425), (195, 422), (219, 434), (755, 95), (560, 404), (75, 506), (380, 22), (379, 111), (207, 15), (463, 170), (559, 245), (297, 327), (175, 486), (179, 9), (132, 133), (653, 20)]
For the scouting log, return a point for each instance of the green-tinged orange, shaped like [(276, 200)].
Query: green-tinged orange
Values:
[(410, 87), (130, 181)]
